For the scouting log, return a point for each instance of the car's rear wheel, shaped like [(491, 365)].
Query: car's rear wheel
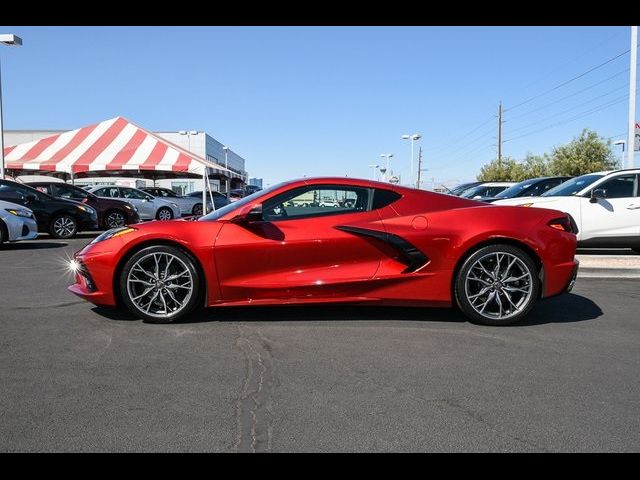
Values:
[(164, 213), (160, 284), (197, 209), (4, 236), (63, 226), (497, 285), (114, 219)]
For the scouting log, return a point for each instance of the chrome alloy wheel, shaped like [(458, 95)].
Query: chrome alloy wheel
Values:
[(115, 220), (165, 214), (64, 226), (498, 285), (160, 284)]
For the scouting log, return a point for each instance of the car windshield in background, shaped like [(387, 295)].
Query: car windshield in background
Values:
[(516, 189), (573, 186), (216, 214)]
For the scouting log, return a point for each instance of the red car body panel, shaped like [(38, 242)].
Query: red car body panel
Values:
[(347, 257)]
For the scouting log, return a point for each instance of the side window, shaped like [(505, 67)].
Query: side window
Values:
[(8, 194), (316, 201), (65, 191), (382, 198), (132, 193), (619, 187)]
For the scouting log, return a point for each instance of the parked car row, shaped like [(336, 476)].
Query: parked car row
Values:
[(63, 210), (604, 205)]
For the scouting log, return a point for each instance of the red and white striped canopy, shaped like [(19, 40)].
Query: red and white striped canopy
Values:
[(109, 146)]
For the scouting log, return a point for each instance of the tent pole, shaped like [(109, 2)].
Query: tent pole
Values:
[(204, 190), (72, 180), (213, 205)]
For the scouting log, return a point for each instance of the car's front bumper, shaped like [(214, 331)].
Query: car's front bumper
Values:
[(22, 228)]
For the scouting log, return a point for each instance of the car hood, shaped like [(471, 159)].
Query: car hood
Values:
[(541, 201), (4, 204)]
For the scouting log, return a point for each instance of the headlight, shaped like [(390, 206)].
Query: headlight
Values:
[(127, 206), (20, 212), (114, 232), (89, 210)]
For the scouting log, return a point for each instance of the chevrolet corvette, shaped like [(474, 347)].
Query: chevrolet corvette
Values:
[(335, 240)]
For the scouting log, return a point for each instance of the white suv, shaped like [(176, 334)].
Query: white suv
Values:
[(604, 205)]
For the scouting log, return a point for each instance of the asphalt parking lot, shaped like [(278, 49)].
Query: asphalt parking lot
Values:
[(78, 378)]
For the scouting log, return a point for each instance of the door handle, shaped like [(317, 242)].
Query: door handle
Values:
[(633, 206)]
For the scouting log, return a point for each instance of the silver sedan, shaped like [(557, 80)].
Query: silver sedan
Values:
[(16, 223), (188, 205)]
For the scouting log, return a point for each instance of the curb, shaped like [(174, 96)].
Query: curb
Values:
[(594, 272)]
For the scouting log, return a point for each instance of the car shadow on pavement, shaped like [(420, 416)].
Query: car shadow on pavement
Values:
[(31, 245), (567, 308)]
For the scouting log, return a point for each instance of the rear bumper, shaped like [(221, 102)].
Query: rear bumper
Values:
[(560, 278)]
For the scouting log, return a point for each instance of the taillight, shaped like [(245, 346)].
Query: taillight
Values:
[(563, 223)]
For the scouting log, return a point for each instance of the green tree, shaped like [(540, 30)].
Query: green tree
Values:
[(508, 170), (584, 154), (535, 166)]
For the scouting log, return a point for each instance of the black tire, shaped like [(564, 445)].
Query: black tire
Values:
[(197, 209), (126, 292), (63, 226), (4, 234), (162, 211), (467, 285), (114, 219)]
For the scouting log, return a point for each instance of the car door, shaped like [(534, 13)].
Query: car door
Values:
[(146, 208), (617, 215), (296, 251), (31, 199)]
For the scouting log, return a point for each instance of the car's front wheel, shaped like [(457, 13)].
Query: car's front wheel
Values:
[(497, 285), (160, 284), (164, 213), (114, 219), (63, 226)]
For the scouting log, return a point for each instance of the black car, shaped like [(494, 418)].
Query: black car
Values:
[(219, 199), (533, 187), (460, 189), (60, 217), (112, 213)]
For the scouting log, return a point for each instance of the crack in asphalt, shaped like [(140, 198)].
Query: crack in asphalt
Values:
[(254, 406)]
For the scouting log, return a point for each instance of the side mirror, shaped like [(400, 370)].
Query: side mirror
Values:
[(250, 214), (30, 197), (597, 193)]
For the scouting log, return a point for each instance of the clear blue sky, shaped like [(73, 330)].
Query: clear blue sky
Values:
[(300, 101)]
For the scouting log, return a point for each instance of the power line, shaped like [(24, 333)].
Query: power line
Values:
[(569, 96), (581, 115), (575, 59), (445, 144), (466, 144), (569, 81), (623, 87)]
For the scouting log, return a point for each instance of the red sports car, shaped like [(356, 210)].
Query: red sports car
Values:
[(373, 243)]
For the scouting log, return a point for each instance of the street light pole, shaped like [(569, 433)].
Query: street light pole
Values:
[(621, 142), (226, 165), (373, 171), (413, 138), (386, 156), (632, 97), (12, 40)]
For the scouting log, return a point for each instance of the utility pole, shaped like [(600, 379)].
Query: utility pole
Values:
[(500, 135), (631, 150), (419, 167)]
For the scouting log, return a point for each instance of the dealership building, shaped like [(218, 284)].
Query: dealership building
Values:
[(200, 143)]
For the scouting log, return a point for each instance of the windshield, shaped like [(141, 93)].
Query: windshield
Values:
[(216, 214), (573, 186), (516, 189), (483, 191)]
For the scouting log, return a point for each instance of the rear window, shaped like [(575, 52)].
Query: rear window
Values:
[(382, 198)]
